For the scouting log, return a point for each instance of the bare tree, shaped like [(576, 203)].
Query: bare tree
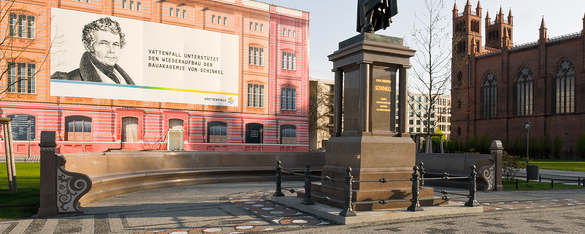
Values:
[(24, 46), (320, 110), (432, 68)]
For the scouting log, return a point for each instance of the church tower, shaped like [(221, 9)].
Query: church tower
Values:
[(499, 33), (466, 43), (466, 30)]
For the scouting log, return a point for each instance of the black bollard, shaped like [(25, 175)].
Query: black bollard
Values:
[(421, 171), (307, 200), (415, 206), (348, 207), (472, 188), (552, 183), (278, 192)]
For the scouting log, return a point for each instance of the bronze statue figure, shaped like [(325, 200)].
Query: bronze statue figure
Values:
[(374, 15)]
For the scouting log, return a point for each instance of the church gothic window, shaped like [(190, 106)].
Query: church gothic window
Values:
[(524, 92), (565, 88), (489, 96)]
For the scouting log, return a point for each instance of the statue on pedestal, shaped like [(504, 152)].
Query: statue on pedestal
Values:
[(374, 15)]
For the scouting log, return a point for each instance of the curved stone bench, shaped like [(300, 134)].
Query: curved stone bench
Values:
[(489, 167), (119, 172)]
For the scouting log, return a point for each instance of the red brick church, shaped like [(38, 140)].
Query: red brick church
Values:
[(498, 87)]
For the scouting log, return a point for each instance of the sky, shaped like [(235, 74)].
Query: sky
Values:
[(332, 21)]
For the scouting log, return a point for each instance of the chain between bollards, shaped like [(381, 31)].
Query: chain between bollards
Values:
[(278, 192), (415, 206), (348, 207), (472, 188), (307, 200)]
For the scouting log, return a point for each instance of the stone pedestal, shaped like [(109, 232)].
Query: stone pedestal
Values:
[(374, 142)]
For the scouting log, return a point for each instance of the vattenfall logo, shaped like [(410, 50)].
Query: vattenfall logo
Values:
[(230, 100)]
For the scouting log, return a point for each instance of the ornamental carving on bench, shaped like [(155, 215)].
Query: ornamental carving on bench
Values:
[(488, 174), (71, 186)]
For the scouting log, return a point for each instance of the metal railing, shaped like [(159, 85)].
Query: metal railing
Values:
[(417, 182), (556, 179)]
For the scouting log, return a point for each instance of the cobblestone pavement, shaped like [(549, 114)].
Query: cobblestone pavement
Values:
[(239, 208)]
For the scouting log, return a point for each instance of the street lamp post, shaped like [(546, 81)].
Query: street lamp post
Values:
[(29, 120), (527, 126)]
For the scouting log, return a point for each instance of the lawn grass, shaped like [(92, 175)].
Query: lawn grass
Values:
[(559, 164), (28, 181), (510, 185)]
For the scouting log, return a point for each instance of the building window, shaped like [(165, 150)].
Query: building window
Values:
[(524, 92), (411, 121), (565, 88), (256, 56), (176, 124), (218, 19), (131, 5), (217, 132), (490, 96), (251, 25), (288, 134), (213, 19), (294, 34), (411, 129), (256, 95), (224, 20), (78, 128), (459, 78), (261, 27), (138, 6), (256, 26), (171, 12), (124, 4), (22, 26), (289, 61), (21, 77), (184, 14), (288, 97), (283, 32), (129, 129), (177, 13), (254, 133)]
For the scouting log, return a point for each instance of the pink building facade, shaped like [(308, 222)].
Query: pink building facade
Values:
[(268, 112)]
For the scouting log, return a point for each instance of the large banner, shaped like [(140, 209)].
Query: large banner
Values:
[(100, 56)]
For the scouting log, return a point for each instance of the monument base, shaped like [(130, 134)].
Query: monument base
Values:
[(371, 158)]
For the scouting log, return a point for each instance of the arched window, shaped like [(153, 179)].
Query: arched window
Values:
[(78, 128), (565, 88), (217, 132), (129, 129), (524, 92), (459, 78), (490, 96), (288, 134)]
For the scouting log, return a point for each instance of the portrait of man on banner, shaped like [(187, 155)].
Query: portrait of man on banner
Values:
[(103, 41)]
